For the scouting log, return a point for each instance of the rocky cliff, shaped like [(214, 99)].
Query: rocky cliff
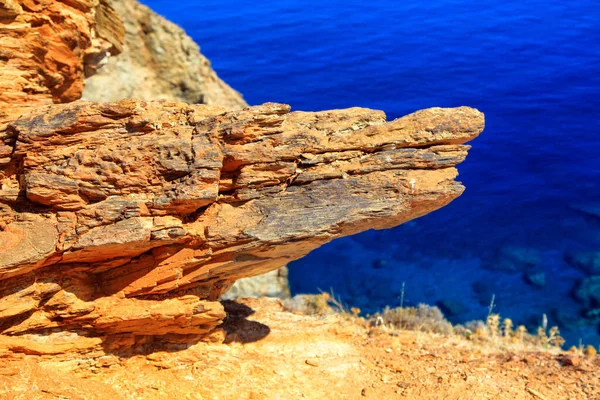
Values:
[(46, 49), (158, 61), (122, 223)]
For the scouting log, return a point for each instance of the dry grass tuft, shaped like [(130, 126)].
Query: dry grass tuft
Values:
[(422, 318)]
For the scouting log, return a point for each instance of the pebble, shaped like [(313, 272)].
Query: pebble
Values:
[(571, 360)]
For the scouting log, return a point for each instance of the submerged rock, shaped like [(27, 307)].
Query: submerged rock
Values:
[(568, 320), (515, 259), (590, 209), (379, 263), (587, 261), (588, 292), (484, 291), (535, 277)]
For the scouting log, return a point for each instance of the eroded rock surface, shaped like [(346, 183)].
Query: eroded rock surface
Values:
[(122, 223), (46, 46), (142, 201), (159, 61)]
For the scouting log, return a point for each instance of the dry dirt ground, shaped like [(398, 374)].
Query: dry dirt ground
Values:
[(273, 354)]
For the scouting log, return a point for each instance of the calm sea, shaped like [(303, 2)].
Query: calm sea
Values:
[(533, 68)]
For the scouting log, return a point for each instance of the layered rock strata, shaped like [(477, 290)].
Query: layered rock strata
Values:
[(122, 223), (46, 49), (119, 206)]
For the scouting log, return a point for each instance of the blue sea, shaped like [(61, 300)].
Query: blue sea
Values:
[(532, 177)]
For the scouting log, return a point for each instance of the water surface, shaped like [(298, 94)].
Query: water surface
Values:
[(532, 67)]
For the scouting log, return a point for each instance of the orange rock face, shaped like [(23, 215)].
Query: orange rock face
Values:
[(126, 221), (47, 45)]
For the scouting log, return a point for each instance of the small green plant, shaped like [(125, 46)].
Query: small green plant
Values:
[(427, 318), (491, 306), (542, 337), (573, 349), (541, 331)]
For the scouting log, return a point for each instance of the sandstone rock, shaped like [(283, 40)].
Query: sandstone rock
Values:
[(154, 200), (122, 223), (569, 359), (46, 46), (159, 61)]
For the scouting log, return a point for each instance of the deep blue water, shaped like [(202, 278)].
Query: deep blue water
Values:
[(533, 68)]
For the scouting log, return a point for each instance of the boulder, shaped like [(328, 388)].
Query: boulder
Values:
[(145, 200), (46, 48), (158, 61)]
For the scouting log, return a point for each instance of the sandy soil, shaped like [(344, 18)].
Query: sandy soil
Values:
[(273, 354)]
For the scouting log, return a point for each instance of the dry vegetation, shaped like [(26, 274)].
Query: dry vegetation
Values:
[(272, 353), (495, 331)]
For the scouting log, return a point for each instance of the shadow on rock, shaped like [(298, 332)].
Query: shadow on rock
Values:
[(238, 327)]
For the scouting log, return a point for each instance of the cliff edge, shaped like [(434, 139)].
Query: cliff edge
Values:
[(124, 222)]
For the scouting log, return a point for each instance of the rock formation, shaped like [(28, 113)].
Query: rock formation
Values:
[(122, 223), (159, 61), (46, 49), (273, 284)]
